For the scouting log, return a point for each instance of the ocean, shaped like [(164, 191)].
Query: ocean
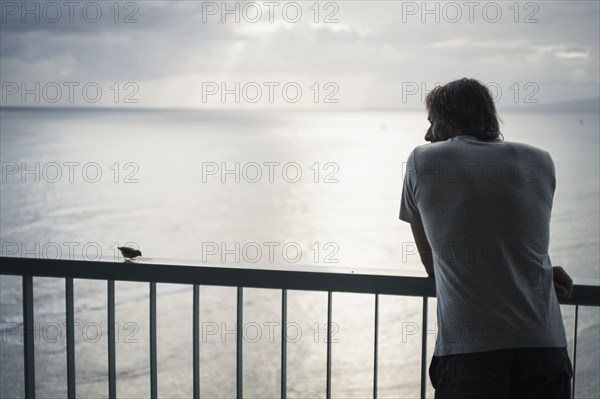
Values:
[(281, 188)]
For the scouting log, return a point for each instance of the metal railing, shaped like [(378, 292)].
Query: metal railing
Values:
[(585, 293)]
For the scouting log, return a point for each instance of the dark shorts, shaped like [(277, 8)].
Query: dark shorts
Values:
[(507, 373)]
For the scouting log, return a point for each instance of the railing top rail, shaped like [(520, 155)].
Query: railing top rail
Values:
[(585, 292)]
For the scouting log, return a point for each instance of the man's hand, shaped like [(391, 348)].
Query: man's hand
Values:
[(563, 284)]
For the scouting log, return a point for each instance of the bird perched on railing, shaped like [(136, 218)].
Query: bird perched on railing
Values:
[(129, 253)]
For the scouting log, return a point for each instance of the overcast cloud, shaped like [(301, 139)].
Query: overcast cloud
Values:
[(373, 54)]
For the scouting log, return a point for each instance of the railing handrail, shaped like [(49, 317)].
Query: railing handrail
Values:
[(328, 279), (586, 292)]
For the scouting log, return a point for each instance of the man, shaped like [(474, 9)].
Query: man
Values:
[(479, 208)]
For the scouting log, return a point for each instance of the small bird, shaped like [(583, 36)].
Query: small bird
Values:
[(129, 253)]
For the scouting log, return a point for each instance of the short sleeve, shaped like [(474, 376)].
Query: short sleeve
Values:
[(409, 212), (553, 174)]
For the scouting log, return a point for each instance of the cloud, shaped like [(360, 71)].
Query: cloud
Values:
[(373, 49)]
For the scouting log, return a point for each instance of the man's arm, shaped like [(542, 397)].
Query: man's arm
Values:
[(423, 247), (563, 284)]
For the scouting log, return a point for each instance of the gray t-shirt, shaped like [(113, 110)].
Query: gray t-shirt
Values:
[(485, 207)]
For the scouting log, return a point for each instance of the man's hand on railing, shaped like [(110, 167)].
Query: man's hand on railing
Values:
[(563, 284)]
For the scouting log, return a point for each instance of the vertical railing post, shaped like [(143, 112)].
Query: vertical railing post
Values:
[(329, 306), (70, 338), (375, 346), (575, 351), (153, 361), (424, 350), (112, 378), (239, 339), (196, 341), (28, 332), (283, 344)]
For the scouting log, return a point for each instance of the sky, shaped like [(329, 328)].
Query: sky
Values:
[(323, 55)]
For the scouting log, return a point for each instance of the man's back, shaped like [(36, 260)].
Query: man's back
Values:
[(485, 206)]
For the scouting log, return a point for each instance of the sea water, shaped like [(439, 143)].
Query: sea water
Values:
[(316, 188)]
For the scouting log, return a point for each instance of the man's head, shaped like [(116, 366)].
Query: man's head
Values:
[(461, 107)]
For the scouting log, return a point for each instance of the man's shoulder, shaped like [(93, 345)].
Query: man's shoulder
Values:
[(435, 152), (524, 147), (457, 145), (530, 154)]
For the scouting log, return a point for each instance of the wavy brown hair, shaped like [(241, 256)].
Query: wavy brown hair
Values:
[(464, 107)]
